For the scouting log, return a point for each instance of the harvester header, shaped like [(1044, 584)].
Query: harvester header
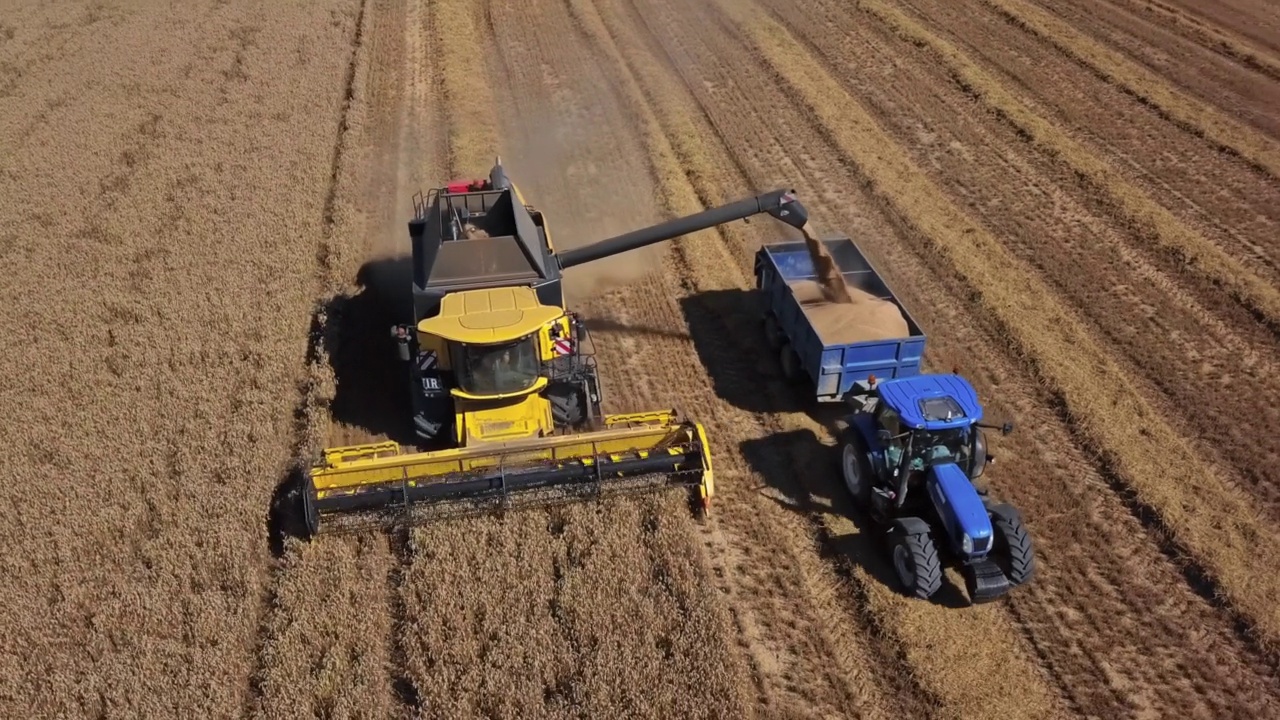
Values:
[(502, 376)]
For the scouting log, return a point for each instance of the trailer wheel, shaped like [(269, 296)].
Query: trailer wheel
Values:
[(790, 363), (915, 559), (772, 334), (1012, 549)]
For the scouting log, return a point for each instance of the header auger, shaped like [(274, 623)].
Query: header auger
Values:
[(502, 375)]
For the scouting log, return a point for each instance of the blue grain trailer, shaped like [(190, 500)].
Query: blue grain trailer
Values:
[(807, 350), (913, 443)]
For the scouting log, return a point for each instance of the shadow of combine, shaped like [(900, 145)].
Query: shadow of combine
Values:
[(802, 469), (372, 392), (728, 334), (371, 383)]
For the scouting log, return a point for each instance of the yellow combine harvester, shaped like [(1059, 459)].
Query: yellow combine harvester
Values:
[(501, 373)]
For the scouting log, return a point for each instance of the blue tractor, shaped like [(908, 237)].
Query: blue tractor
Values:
[(909, 456)]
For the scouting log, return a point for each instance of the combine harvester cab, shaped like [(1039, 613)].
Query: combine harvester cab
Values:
[(502, 375), (913, 444)]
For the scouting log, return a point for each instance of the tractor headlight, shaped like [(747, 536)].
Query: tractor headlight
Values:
[(966, 544)]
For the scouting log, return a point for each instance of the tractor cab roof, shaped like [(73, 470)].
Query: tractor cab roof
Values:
[(932, 402)]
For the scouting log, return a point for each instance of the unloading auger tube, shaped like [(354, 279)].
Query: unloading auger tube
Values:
[(380, 484), (781, 204)]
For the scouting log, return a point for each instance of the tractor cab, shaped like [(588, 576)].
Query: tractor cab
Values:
[(925, 421)]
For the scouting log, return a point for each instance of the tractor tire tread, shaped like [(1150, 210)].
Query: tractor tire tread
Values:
[(928, 566), (1017, 547)]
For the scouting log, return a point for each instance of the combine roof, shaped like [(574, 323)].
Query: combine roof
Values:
[(932, 402)]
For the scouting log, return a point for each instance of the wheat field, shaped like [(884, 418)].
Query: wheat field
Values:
[(203, 221)]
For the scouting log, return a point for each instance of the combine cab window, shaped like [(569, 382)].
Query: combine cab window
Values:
[(497, 369)]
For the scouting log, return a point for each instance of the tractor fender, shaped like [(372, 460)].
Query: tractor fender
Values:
[(1006, 511), (961, 509), (911, 525), (865, 426)]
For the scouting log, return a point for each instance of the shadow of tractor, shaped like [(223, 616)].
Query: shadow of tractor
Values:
[(799, 466)]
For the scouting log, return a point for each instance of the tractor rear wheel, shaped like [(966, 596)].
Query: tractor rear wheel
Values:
[(854, 467), (1012, 548), (915, 559)]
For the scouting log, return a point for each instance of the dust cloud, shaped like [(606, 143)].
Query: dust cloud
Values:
[(584, 197)]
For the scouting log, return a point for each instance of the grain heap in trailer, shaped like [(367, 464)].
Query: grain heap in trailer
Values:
[(914, 443), (505, 392)]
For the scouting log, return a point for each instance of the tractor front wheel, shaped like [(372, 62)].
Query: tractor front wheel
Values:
[(1012, 548), (915, 559)]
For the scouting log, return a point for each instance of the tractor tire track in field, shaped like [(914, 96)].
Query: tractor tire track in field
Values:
[(894, 605), (585, 638), (932, 135), (1236, 23), (327, 644), (795, 136), (1261, 153), (871, 72), (781, 671), (138, 205), (1214, 196)]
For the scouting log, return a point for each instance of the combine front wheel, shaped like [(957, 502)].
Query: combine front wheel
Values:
[(567, 406)]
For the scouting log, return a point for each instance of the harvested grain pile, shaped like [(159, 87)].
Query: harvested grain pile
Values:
[(841, 314)]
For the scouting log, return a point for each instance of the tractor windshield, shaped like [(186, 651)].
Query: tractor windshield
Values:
[(498, 369), (941, 446)]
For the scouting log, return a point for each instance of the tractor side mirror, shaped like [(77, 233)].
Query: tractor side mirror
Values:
[(1008, 428)]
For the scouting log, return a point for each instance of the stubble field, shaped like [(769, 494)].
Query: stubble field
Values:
[(203, 219)]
